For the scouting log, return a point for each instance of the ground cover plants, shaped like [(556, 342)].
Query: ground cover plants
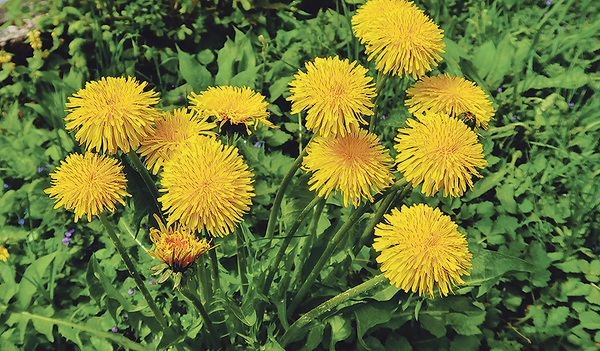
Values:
[(240, 175)]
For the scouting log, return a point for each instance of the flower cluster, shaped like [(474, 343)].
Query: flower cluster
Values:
[(68, 237)]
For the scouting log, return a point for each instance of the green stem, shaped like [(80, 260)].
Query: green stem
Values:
[(381, 79), (293, 333), (136, 163), (204, 284), (288, 238), (279, 197), (214, 264), (339, 236), (307, 244), (212, 333), (241, 260), (133, 272)]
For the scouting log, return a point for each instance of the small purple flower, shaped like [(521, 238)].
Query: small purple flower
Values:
[(259, 143), (145, 226), (67, 238), (548, 2), (179, 96), (273, 195), (473, 40), (513, 117), (579, 15), (21, 221), (562, 26), (48, 166), (24, 213), (593, 248), (598, 198), (94, 217), (383, 117), (173, 86), (5, 186), (500, 89), (115, 329), (125, 316), (571, 104), (40, 169), (130, 291), (151, 282), (545, 13)]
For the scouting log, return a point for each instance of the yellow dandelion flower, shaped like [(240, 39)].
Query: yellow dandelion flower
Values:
[(232, 105), (89, 183), (440, 151), (355, 164), (177, 247), (400, 35), (206, 185), (335, 93), (452, 96), (171, 131), (112, 113), (421, 247), (34, 39), (4, 255)]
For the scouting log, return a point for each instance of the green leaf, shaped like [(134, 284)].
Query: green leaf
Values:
[(32, 279), (465, 343), (195, 74), (590, 320), (372, 314), (466, 324), (436, 326), (490, 266), (315, 336), (557, 316)]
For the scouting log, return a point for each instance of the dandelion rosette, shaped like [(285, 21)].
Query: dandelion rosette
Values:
[(112, 113), (206, 185), (172, 130), (400, 35), (354, 164), (440, 151), (233, 105), (335, 94), (89, 184), (452, 96), (422, 248), (178, 247)]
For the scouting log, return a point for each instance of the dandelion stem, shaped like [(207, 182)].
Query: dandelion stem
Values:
[(204, 284), (133, 271), (212, 333), (381, 79), (214, 264), (339, 236), (293, 333), (136, 163), (241, 260), (280, 192)]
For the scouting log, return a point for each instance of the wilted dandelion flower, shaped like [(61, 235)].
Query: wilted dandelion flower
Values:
[(177, 247), (4, 255), (89, 183), (112, 113), (421, 247), (335, 93), (354, 164), (451, 96), (400, 35), (171, 131), (206, 185), (233, 105), (440, 151)]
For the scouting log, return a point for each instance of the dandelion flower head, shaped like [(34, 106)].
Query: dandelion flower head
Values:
[(232, 105), (4, 255), (402, 38), (354, 164), (112, 113), (89, 184), (440, 151), (335, 94), (171, 131), (422, 248), (451, 96), (206, 185)]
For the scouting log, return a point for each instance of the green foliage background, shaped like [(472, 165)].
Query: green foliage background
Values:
[(532, 222)]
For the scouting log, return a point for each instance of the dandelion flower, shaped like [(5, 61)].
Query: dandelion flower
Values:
[(171, 131), (335, 93), (112, 113), (452, 96), (232, 105), (400, 35), (177, 247), (4, 255), (355, 164), (206, 185), (440, 151), (421, 247), (89, 183)]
